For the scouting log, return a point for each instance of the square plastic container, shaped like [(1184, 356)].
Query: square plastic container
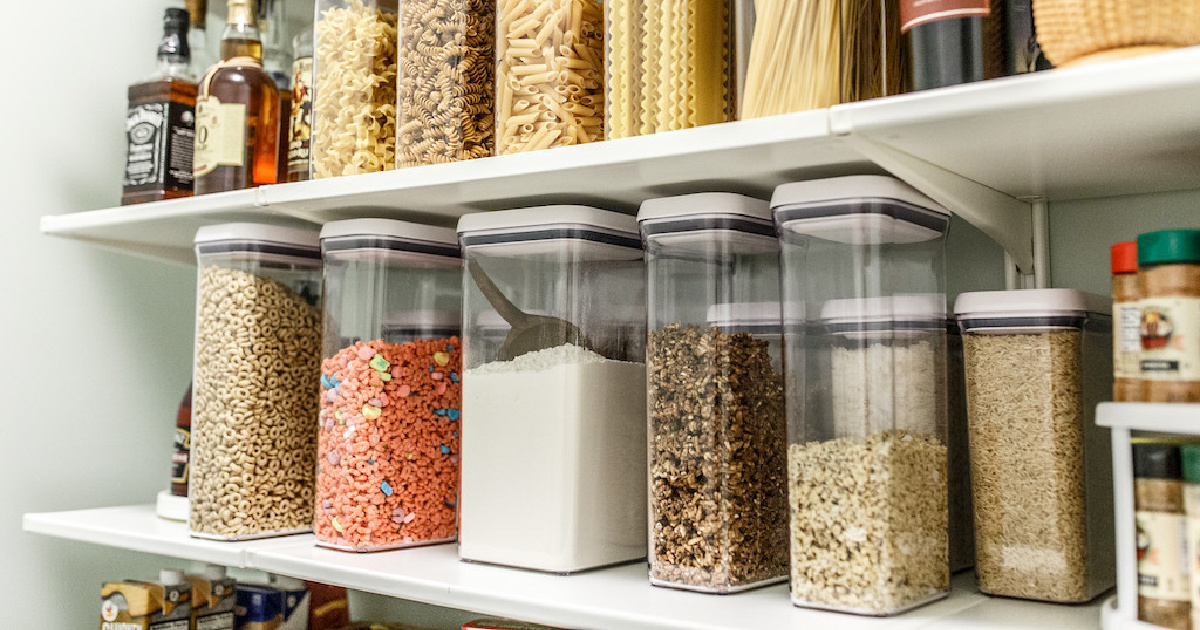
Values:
[(354, 99), (391, 386), (867, 384), (554, 468), (718, 435), (549, 74), (254, 389), (447, 69), (1037, 362)]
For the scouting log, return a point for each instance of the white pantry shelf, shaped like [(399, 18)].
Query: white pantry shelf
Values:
[(984, 150), (618, 598)]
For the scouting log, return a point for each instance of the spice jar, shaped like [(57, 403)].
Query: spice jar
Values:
[(354, 87), (1164, 583), (866, 382), (391, 388), (254, 389), (1169, 282), (1191, 502), (1036, 364), (1127, 382), (716, 417), (554, 450)]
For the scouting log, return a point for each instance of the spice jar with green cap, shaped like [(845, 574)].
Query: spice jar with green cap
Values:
[(1164, 584), (1191, 504), (1169, 280)]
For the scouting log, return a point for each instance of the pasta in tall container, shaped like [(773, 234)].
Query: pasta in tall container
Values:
[(672, 64), (354, 87), (811, 54), (446, 79), (549, 74)]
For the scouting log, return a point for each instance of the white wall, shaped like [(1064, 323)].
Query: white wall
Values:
[(95, 347)]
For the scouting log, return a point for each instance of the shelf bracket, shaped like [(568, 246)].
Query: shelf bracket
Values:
[(1006, 220)]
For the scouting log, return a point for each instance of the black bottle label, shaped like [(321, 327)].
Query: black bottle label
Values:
[(159, 145), (916, 12)]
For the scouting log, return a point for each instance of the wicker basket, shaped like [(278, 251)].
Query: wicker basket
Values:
[(1072, 31)]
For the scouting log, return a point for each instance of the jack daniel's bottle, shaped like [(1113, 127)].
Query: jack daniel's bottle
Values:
[(159, 127), (237, 112)]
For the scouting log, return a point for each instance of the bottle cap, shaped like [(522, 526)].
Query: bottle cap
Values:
[(1168, 247), (1156, 460), (1124, 257), (1191, 462), (174, 16)]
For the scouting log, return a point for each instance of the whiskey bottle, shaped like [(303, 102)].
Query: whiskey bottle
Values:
[(160, 123), (237, 112), (277, 63), (202, 55)]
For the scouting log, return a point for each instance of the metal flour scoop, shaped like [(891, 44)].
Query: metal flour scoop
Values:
[(527, 333)]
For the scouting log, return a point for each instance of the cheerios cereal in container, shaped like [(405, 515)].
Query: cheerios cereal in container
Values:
[(254, 393), (354, 87), (391, 386)]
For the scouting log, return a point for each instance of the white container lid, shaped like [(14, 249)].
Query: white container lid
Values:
[(389, 228), (257, 241), (744, 314), (214, 572), (593, 234), (688, 222), (698, 205), (169, 577), (913, 307), (864, 209), (1025, 303), (396, 242)]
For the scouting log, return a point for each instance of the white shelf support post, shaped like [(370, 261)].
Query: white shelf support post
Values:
[(1040, 216), (1006, 219)]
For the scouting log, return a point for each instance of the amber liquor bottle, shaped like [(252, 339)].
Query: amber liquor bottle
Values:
[(237, 111), (160, 123)]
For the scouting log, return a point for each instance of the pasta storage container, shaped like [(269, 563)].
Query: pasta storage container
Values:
[(717, 433), (1037, 362), (254, 389), (549, 74), (819, 53), (447, 78), (673, 65), (867, 383), (391, 386), (354, 87), (554, 467)]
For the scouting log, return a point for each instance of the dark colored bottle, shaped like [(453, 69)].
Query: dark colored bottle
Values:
[(961, 41), (181, 456), (160, 123), (237, 112)]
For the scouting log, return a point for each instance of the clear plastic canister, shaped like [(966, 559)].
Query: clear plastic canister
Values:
[(867, 406), (254, 390), (549, 74), (1037, 362), (391, 386), (673, 65), (554, 468), (447, 81), (717, 432), (354, 87)]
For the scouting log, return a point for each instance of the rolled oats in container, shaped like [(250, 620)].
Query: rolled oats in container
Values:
[(865, 349), (1037, 362), (256, 381), (718, 438)]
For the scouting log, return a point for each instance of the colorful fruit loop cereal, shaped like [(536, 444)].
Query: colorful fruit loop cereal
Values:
[(388, 445)]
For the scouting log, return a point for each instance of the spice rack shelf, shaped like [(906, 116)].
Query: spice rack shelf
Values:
[(616, 598), (1124, 419), (983, 150)]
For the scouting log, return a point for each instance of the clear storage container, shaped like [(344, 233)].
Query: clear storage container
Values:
[(867, 407), (549, 74), (554, 451), (447, 78), (254, 390), (718, 436), (354, 87), (1037, 363), (391, 386), (673, 65)]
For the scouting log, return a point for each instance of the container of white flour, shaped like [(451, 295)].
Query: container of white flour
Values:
[(554, 429)]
